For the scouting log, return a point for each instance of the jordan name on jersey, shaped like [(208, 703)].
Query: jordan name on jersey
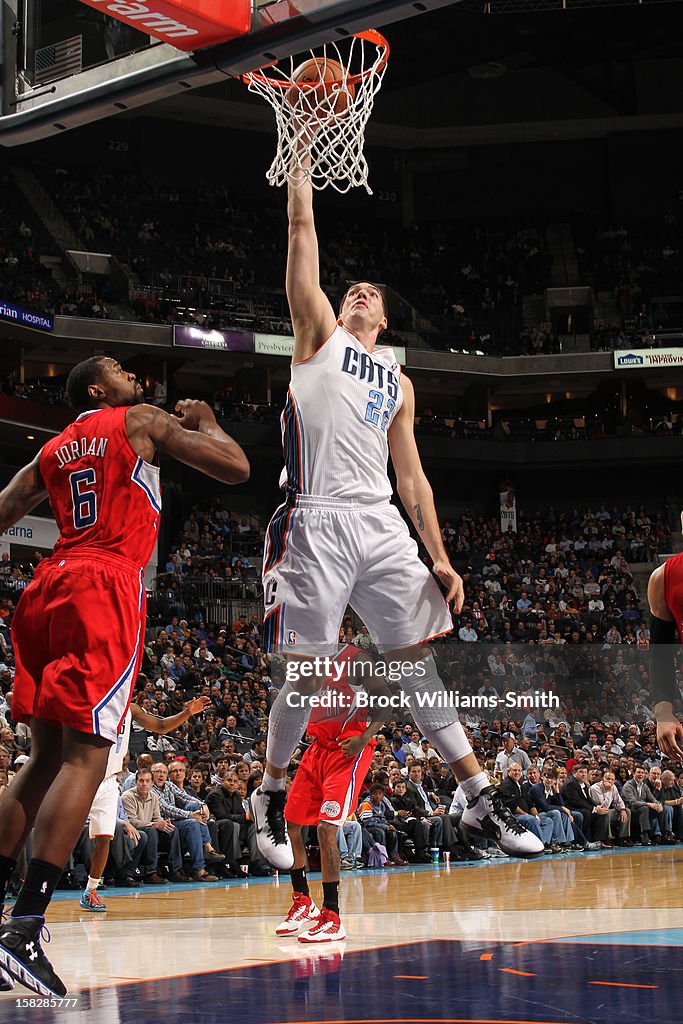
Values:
[(79, 449)]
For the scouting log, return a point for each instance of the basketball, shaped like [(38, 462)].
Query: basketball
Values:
[(329, 77)]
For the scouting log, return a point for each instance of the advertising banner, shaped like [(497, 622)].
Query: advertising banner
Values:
[(187, 336), (25, 317), (648, 358), (186, 24)]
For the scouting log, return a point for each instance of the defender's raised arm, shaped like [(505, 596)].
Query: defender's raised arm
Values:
[(194, 439)]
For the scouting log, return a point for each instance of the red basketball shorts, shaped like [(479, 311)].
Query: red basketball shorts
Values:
[(327, 785), (78, 636)]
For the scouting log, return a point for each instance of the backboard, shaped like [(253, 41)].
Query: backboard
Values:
[(65, 63)]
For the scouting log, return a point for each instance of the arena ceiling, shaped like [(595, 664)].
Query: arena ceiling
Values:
[(460, 67)]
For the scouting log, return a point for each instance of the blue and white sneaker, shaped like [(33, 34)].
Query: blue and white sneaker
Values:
[(91, 901)]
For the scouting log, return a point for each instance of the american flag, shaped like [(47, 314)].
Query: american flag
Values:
[(59, 59)]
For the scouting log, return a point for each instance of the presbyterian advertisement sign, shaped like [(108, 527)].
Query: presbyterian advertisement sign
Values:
[(273, 345), (277, 345), (648, 358), (185, 24), (26, 317)]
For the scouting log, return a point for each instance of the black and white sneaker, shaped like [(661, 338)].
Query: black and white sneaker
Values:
[(6, 983), (486, 815), (268, 809), (23, 959)]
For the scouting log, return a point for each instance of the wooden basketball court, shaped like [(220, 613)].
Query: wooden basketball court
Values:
[(571, 938)]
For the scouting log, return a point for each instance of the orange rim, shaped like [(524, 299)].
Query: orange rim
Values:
[(370, 36)]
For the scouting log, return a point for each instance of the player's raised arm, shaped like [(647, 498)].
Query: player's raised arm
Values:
[(416, 494), (313, 318), (23, 493), (194, 438)]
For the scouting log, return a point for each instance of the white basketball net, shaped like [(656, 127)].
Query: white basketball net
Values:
[(321, 125)]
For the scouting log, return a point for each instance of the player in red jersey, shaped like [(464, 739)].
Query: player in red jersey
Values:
[(327, 784), (79, 625), (665, 596)]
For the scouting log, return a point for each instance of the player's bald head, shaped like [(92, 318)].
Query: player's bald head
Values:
[(80, 379)]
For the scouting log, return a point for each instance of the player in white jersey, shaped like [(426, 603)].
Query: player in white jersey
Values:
[(337, 540), (102, 817)]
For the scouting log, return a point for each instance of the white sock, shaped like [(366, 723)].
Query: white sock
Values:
[(270, 784), (92, 883), (473, 786)]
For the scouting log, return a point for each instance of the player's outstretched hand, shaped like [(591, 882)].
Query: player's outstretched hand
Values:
[(670, 739), (192, 413), (199, 704), (452, 582)]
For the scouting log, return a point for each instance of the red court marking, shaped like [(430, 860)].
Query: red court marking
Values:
[(522, 974), (620, 984), (486, 956), (415, 977)]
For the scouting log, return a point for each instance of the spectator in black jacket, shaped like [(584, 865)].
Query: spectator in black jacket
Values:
[(410, 821), (545, 796), (576, 796), (225, 804), (526, 813)]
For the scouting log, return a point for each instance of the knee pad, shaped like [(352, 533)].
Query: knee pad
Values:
[(429, 707), (287, 723)]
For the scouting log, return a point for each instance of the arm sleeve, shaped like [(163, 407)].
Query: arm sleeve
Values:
[(183, 800), (170, 810), (121, 814), (631, 799), (539, 801)]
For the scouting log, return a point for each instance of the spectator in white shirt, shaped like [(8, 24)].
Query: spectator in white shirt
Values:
[(468, 634), (511, 752), (606, 794)]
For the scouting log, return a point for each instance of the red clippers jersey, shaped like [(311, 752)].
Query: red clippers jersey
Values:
[(105, 498), (342, 717), (673, 590)]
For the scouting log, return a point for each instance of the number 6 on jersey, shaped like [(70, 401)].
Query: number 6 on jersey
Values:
[(85, 501)]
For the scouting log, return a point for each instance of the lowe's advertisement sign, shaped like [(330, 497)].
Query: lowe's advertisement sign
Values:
[(648, 358)]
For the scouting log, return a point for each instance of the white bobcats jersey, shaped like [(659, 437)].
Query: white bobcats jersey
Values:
[(340, 405), (118, 749)]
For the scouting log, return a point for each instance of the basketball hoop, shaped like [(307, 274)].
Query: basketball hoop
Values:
[(321, 109)]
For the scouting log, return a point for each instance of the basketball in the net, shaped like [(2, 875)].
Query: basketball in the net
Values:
[(329, 92)]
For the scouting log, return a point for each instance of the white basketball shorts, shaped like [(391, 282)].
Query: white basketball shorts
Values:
[(103, 811), (323, 554)]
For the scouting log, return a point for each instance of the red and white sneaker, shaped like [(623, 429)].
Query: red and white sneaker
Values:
[(302, 911), (327, 928)]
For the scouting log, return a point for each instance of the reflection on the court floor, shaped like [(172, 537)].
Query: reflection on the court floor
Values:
[(437, 981)]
